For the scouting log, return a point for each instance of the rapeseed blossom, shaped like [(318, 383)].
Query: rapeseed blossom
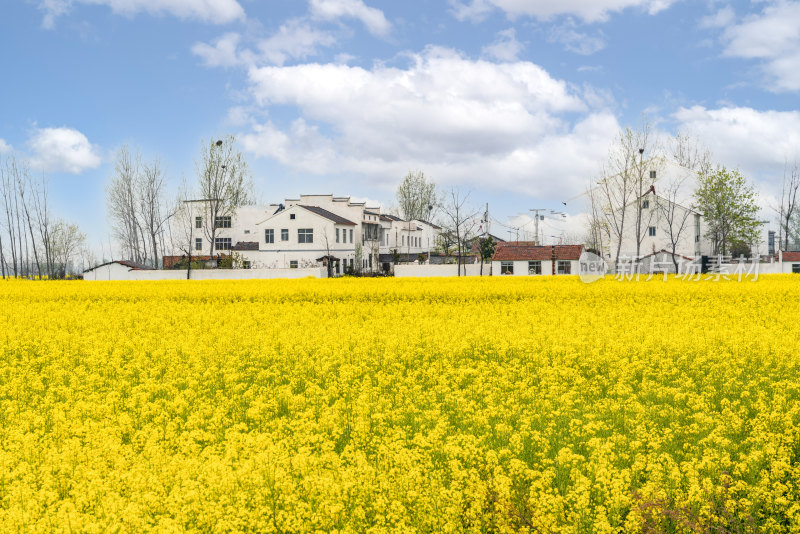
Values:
[(397, 405)]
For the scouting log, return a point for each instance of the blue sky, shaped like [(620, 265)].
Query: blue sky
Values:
[(515, 101)]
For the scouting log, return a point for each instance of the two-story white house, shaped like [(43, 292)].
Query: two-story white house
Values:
[(317, 229), (668, 225)]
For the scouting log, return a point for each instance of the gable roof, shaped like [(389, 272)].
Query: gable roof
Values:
[(430, 224), (529, 251), (132, 265), (327, 214), (667, 252)]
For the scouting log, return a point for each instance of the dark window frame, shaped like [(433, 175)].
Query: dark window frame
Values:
[(305, 235)]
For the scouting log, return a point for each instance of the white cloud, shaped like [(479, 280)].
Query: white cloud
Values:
[(587, 10), (222, 53), (757, 142), (503, 126), (5, 148), (374, 19), (505, 48), (62, 150), (574, 40), (723, 18), (211, 11), (296, 39), (773, 36)]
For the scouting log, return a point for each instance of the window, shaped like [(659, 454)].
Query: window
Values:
[(284, 234), (564, 267), (351, 236), (198, 222), (246, 264), (506, 267), (293, 264), (651, 231), (534, 267), (305, 235), (198, 243), (652, 175), (645, 204), (247, 231), (404, 240), (796, 268), (337, 235), (269, 235), (292, 216), (697, 239), (222, 243), (222, 222)]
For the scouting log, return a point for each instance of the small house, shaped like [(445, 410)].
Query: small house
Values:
[(526, 258)]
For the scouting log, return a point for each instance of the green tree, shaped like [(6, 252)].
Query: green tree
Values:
[(728, 204), (417, 197), (486, 247)]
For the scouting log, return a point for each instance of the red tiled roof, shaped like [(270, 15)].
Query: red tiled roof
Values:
[(791, 256), (527, 250), (245, 245)]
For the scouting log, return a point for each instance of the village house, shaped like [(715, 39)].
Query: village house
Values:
[(315, 230), (664, 222), (526, 258)]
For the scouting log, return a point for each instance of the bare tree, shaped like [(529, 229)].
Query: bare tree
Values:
[(24, 186), (67, 242), (152, 209), (42, 212), (122, 203), (788, 207), (645, 174), (459, 219), (626, 178), (224, 184), (417, 197), (690, 153), (597, 224), (676, 218), (182, 229), (8, 188)]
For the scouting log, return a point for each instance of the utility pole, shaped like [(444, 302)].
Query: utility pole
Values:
[(536, 218), (486, 220)]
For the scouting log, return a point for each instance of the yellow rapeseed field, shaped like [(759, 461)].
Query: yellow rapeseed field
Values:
[(400, 405)]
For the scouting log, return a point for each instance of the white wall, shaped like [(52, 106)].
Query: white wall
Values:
[(215, 274), (410, 271), (521, 268), (112, 271)]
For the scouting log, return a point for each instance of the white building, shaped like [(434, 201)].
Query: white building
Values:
[(526, 258), (665, 223), (316, 229), (114, 270)]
